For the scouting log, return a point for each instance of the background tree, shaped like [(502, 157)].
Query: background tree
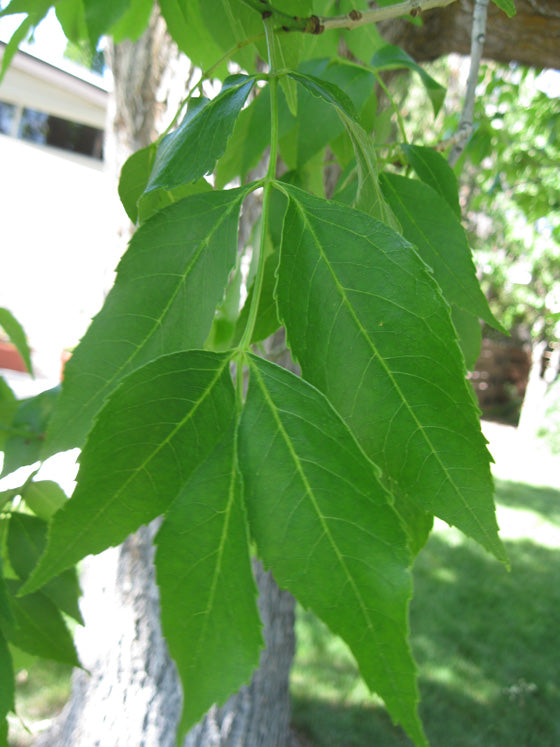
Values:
[(512, 177)]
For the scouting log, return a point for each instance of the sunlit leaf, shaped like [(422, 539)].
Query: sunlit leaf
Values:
[(208, 593), (190, 33), (434, 169), (230, 23), (429, 223), (347, 281), (508, 6), (391, 57), (71, 16), (151, 202), (168, 285), (248, 141), (192, 150), (469, 332), (7, 687), (29, 425), (133, 22), (38, 627), (5, 611), (134, 178), (27, 537), (44, 497), (368, 195), (324, 525), (36, 10), (151, 435), (101, 15)]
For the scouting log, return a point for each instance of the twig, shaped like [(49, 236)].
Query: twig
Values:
[(352, 20), (356, 18), (478, 37)]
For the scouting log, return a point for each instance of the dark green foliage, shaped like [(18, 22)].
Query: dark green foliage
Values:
[(332, 479)]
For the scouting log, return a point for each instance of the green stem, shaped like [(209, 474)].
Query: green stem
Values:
[(245, 342), (400, 120)]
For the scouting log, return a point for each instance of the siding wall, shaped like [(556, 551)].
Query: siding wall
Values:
[(58, 244)]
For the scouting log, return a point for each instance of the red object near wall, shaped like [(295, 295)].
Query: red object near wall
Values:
[(10, 357)]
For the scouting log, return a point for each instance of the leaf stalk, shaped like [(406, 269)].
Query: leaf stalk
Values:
[(245, 341)]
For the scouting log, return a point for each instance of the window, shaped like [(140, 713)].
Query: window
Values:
[(7, 117), (46, 129), (38, 127), (33, 126)]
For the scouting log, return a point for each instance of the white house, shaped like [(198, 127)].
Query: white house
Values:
[(58, 244)]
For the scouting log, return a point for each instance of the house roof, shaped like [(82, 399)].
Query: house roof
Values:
[(34, 83)]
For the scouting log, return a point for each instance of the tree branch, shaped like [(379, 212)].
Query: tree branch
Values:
[(352, 20), (356, 18), (478, 37)]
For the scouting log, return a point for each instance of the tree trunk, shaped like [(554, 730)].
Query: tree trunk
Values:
[(542, 375), (130, 694)]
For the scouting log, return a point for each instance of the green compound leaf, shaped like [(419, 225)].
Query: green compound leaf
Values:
[(168, 285), (230, 23), (5, 610), (430, 224), (30, 420), (134, 177), (153, 432), (332, 84), (151, 202), (347, 280), (102, 15), (35, 11), (44, 497), (508, 6), (7, 685), (368, 197), (469, 333), (8, 407), (248, 141), (189, 32), (434, 169), (192, 150), (38, 627), (267, 321), (391, 57), (207, 589), (325, 526), (27, 537), (71, 16), (15, 332), (133, 22)]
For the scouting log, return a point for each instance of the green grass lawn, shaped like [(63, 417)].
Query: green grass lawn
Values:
[(485, 639)]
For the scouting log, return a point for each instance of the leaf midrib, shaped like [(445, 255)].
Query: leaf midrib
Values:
[(309, 492), (218, 564)]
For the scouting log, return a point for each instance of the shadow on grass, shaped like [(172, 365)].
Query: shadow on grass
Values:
[(486, 642), (543, 500)]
